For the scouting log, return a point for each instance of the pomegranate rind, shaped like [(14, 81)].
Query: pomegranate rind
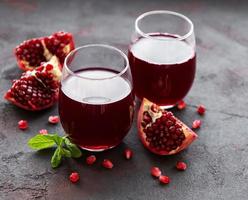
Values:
[(190, 135)]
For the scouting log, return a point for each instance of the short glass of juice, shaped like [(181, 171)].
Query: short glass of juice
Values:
[(162, 57), (96, 101)]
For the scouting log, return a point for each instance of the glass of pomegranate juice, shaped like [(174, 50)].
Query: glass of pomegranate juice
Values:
[(162, 57), (96, 101)]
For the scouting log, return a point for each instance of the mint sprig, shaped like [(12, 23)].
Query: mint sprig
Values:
[(75, 151), (64, 147)]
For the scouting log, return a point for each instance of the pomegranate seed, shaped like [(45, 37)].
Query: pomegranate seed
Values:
[(181, 105), (196, 124), (74, 177), (107, 164), (156, 172), (90, 160), (154, 108), (201, 109), (181, 166), (23, 124), (49, 67), (43, 132), (164, 179), (53, 119), (128, 154)]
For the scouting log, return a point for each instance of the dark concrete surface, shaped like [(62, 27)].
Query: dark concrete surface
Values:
[(217, 161)]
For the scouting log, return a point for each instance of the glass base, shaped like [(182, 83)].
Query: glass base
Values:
[(168, 107), (97, 149), (139, 101)]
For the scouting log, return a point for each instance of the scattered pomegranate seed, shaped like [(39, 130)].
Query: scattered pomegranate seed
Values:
[(196, 124), (164, 179), (90, 160), (23, 124), (181, 105), (156, 172), (74, 177), (53, 119), (181, 166), (107, 164), (43, 132), (201, 109), (128, 154)]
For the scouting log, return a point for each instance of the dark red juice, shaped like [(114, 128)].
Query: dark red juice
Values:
[(96, 116), (163, 69)]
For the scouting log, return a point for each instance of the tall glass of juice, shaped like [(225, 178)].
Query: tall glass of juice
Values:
[(162, 57), (96, 101)]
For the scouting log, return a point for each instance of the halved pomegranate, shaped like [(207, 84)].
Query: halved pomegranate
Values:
[(31, 53), (161, 132), (36, 89)]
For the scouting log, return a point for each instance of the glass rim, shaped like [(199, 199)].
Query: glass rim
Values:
[(168, 12), (123, 55)]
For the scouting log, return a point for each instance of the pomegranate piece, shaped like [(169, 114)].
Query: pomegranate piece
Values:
[(128, 154), (196, 124), (90, 160), (31, 53), (53, 119), (161, 132), (181, 105), (74, 177), (36, 89), (201, 109), (181, 166), (107, 164), (43, 132), (156, 172), (164, 179), (23, 124)]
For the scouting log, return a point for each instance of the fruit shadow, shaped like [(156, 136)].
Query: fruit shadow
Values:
[(115, 155), (166, 160), (31, 115), (45, 153)]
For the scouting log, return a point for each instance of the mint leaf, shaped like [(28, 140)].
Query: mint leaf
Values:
[(75, 151), (39, 142), (57, 139), (57, 157), (65, 148), (65, 152)]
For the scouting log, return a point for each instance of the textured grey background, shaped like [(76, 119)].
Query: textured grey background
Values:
[(217, 162)]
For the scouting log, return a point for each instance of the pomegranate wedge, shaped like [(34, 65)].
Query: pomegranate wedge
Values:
[(36, 89), (161, 132)]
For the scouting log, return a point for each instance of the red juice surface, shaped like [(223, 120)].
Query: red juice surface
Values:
[(96, 116), (163, 69)]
